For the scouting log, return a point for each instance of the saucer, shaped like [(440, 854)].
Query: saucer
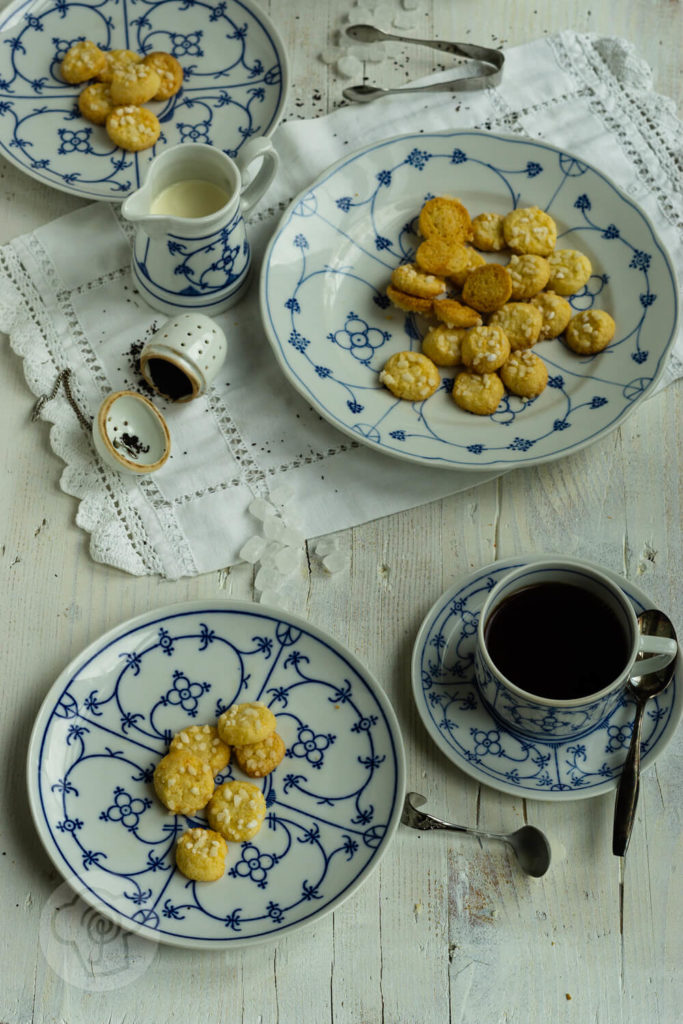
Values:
[(456, 719)]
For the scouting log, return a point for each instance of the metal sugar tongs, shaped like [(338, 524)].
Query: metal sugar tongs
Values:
[(489, 71)]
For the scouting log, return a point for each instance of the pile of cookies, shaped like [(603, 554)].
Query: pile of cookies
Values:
[(184, 781), (124, 80), (487, 316)]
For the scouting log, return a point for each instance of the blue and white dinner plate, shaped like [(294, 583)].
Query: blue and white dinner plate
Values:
[(332, 328), (234, 88), (458, 722), (332, 804)]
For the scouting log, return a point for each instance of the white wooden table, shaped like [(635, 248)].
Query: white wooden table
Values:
[(445, 930)]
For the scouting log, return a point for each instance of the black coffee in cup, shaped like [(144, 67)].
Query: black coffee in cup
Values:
[(557, 640)]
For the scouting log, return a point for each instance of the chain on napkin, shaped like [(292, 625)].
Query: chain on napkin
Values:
[(63, 380)]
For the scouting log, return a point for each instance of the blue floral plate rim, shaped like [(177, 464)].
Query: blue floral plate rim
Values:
[(568, 770), (585, 405), (287, 629), (235, 85)]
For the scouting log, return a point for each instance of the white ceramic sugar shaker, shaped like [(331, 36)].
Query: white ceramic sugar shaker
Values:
[(130, 434), (182, 358)]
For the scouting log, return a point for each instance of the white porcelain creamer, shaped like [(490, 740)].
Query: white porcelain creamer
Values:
[(191, 250)]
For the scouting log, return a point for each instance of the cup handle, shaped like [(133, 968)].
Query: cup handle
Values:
[(250, 151), (663, 649)]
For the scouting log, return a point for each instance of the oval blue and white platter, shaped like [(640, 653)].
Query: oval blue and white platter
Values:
[(468, 734), (332, 327), (332, 804), (234, 87)]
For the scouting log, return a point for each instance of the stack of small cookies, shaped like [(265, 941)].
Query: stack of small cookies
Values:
[(235, 810), (124, 80), (488, 316)]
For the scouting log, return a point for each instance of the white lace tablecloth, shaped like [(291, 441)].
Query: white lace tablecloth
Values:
[(66, 300)]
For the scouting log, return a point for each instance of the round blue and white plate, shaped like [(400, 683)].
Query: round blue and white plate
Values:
[(458, 722), (234, 88), (332, 327), (332, 804)]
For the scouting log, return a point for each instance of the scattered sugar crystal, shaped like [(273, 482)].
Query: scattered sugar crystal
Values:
[(260, 508), (326, 545), (267, 578), (287, 560), (349, 67), (270, 553), (283, 493), (273, 527), (291, 537), (372, 53), (335, 561), (252, 549), (330, 56), (270, 596)]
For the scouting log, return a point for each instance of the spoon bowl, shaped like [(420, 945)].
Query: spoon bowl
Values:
[(641, 689), (530, 845)]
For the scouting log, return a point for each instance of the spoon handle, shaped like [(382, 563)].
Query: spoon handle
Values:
[(629, 786)]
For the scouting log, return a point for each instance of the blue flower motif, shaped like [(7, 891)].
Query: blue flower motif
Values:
[(556, 382), (194, 132), (640, 260), (254, 865), (458, 156), (597, 401), (475, 449), (74, 141), (611, 231), (418, 158), (561, 424), (398, 435), (354, 406), (300, 241), (647, 299), (521, 444), (311, 745), (364, 724), (533, 169), (298, 341), (187, 45), (70, 825), (344, 203), (382, 243), (384, 178), (185, 693), (583, 203), (293, 305), (359, 338), (275, 912), (486, 742), (171, 911), (640, 356), (323, 371), (126, 809), (381, 300)]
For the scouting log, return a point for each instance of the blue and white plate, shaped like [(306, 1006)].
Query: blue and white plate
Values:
[(332, 328), (333, 802), (235, 83), (456, 719)]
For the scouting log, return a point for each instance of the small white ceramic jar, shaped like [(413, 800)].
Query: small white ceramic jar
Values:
[(130, 434), (182, 358)]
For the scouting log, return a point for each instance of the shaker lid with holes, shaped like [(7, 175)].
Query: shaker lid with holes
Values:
[(130, 434), (182, 358)]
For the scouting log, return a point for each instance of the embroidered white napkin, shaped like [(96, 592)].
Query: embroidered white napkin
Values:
[(66, 300)]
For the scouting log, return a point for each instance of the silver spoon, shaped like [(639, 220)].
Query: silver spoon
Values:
[(529, 843), (641, 688), (489, 71)]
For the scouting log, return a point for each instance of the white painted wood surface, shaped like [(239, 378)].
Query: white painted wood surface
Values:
[(444, 930)]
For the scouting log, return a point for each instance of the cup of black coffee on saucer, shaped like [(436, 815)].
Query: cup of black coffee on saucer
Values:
[(557, 640)]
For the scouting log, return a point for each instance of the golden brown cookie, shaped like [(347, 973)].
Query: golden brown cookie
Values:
[(569, 271), (442, 257), (521, 322), (487, 288), (484, 349), (410, 375), (445, 217), (205, 743), (524, 374), (487, 232), (408, 303), (169, 71), (236, 810), (529, 275), (590, 332), (479, 393), (95, 103), (530, 230), (556, 313), (259, 759), (115, 60), (82, 61), (474, 260), (453, 314), (443, 344), (410, 279), (133, 128), (246, 723), (200, 854), (134, 84), (183, 782)]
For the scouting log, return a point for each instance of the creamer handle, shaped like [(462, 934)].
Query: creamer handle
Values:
[(252, 150)]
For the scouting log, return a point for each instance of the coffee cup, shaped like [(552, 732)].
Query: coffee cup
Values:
[(191, 250), (557, 641)]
